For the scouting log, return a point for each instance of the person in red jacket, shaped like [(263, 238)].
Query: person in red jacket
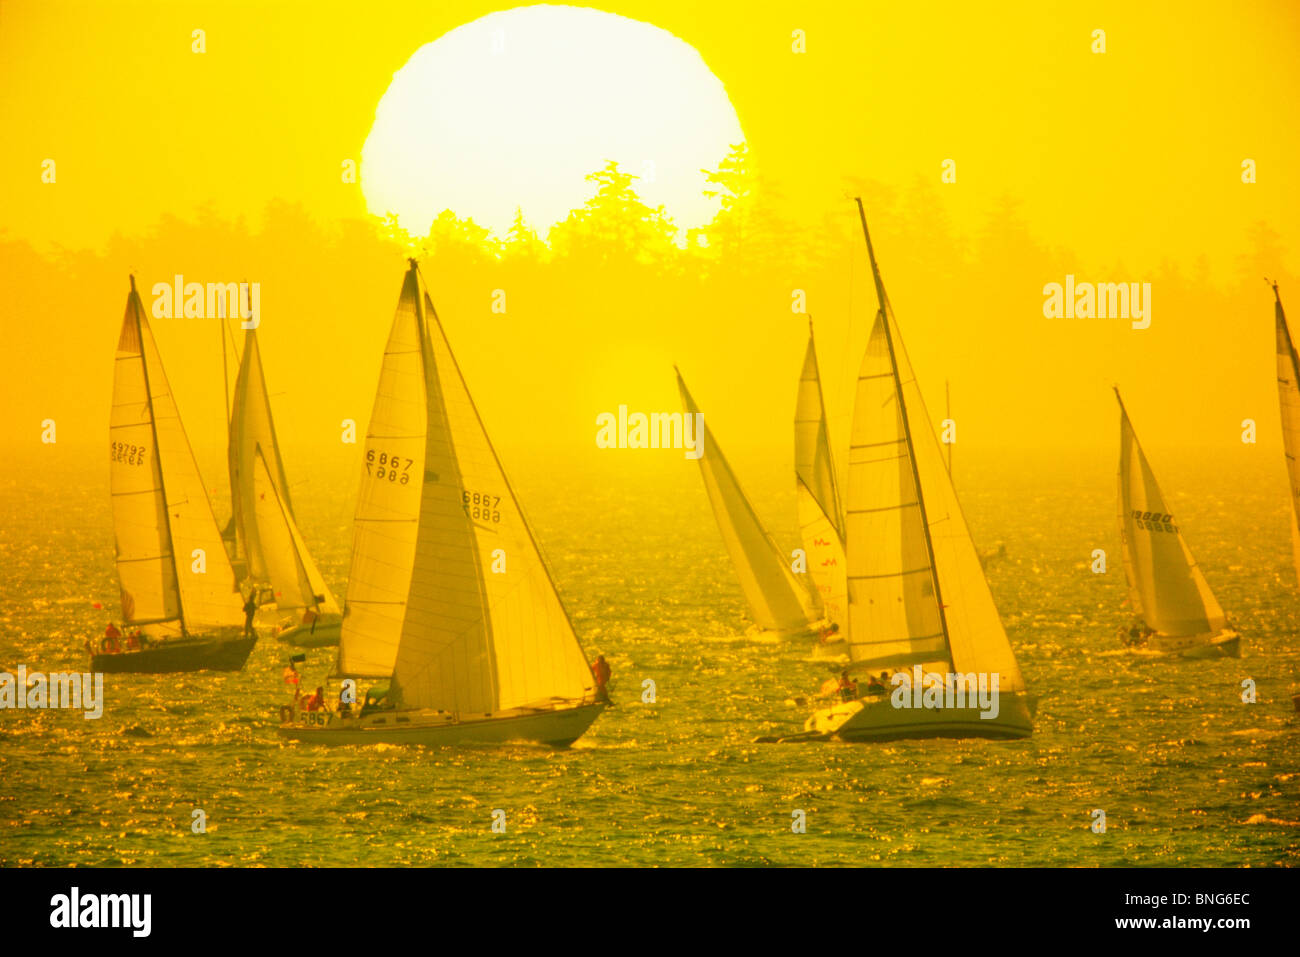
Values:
[(600, 670)]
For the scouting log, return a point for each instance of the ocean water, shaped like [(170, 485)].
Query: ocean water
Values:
[(1186, 773)]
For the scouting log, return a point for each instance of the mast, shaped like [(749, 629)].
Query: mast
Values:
[(907, 425), (162, 479)]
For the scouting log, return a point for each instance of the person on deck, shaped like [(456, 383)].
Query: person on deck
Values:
[(828, 634), (250, 609), (601, 671), (876, 684), (292, 678), (112, 642), (848, 688), (316, 702)]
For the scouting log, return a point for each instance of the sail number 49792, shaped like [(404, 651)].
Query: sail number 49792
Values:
[(392, 468)]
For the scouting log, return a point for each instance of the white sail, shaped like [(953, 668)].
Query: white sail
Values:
[(295, 580), (777, 600), (388, 503), (251, 425), (917, 592), (481, 628), (1165, 585), (820, 519), (173, 570), (1288, 391)]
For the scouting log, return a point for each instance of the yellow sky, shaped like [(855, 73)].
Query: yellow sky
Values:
[(1127, 162)]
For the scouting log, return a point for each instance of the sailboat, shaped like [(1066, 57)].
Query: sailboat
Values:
[(449, 600), (1288, 393), (178, 587), (821, 520), (1176, 611), (778, 601), (919, 604), (278, 563), (313, 619)]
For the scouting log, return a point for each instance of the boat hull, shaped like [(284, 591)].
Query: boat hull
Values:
[(1223, 644), (325, 634), (557, 728), (180, 654), (876, 719)]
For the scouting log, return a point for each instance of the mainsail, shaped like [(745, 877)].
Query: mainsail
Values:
[(448, 592), (1165, 586), (777, 600), (251, 426), (296, 581), (917, 592), (173, 570), (1288, 391), (820, 519)]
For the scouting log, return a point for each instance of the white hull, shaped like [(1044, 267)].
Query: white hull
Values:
[(1223, 644), (325, 633), (876, 719), (558, 727)]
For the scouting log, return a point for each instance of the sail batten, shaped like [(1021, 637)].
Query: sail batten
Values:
[(777, 600)]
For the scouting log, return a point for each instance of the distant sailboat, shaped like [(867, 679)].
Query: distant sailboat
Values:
[(313, 618), (449, 599), (1288, 392), (267, 536), (778, 601), (919, 605), (178, 587), (821, 519), (1178, 613)]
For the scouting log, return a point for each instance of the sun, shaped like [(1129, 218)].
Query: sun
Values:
[(516, 108)]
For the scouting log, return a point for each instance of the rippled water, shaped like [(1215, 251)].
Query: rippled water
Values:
[(1185, 772)]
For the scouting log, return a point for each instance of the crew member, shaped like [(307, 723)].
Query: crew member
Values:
[(848, 688), (250, 609), (600, 670)]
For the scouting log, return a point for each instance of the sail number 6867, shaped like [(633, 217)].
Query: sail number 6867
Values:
[(482, 505), (394, 468)]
